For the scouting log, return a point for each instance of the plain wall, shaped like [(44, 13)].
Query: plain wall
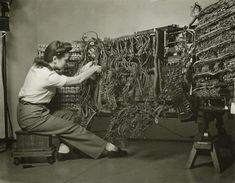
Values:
[(21, 50), (42, 21), (68, 20)]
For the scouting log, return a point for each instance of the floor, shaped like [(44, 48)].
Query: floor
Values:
[(147, 162)]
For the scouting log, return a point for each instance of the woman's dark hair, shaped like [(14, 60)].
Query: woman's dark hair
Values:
[(55, 48)]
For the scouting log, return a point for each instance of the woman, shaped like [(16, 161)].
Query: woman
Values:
[(38, 89)]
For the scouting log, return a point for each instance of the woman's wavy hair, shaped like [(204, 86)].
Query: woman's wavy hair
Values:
[(55, 48)]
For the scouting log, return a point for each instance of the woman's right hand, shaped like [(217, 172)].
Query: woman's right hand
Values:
[(98, 68), (86, 66)]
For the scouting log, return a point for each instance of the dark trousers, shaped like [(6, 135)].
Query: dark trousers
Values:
[(37, 119), (206, 117)]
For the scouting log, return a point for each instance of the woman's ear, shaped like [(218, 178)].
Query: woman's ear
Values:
[(54, 59)]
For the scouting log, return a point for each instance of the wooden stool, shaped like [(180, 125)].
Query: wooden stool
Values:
[(220, 150), (219, 147), (33, 145)]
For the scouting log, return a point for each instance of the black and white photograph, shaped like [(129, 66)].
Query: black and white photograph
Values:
[(117, 91)]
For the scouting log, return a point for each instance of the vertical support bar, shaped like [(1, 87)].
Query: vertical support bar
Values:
[(159, 55), (156, 77)]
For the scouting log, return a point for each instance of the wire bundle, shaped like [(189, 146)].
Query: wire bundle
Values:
[(129, 72)]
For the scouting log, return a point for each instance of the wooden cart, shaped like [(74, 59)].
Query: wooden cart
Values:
[(29, 145)]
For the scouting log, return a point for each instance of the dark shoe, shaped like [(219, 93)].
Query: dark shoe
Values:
[(117, 154), (62, 156), (68, 156)]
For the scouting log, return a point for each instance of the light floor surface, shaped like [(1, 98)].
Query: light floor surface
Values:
[(147, 162)]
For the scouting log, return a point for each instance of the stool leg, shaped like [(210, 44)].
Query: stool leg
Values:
[(192, 158), (215, 159)]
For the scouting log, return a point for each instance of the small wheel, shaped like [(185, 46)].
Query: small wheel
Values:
[(17, 161), (51, 160)]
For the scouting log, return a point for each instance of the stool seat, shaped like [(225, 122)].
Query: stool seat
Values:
[(22, 132)]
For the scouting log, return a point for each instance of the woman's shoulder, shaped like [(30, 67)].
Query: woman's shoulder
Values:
[(42, 70)]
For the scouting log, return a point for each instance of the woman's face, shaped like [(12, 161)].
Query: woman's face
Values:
[(61, 62)]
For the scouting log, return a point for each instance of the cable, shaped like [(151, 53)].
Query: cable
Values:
[(10, 121), (84, 34), (4, 81), (177, 134)]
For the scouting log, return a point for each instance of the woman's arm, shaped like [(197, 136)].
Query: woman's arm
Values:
[(82, 76)]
